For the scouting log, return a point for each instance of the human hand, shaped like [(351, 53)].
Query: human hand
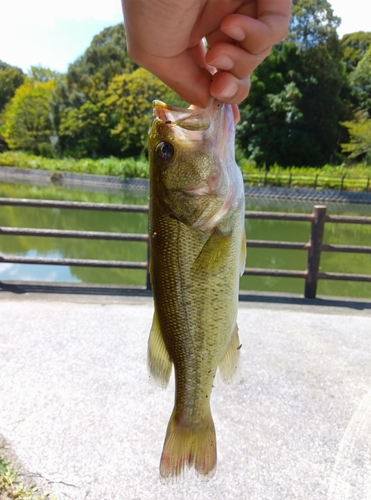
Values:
[(166, 38)]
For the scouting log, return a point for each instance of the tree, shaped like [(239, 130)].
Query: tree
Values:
[(269, 129), (292, 114), (129, 99), (313, 23), (83, 120), (10, 79), (28, 124), (106, 55), (360, 137), (354, 46), (85, 130), (360, 80), (40, 74)]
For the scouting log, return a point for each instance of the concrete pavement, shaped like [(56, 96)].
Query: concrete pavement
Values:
[(79, 412)]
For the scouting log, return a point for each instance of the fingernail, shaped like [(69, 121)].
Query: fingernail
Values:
[(234, 32), (229, 91), (222, 62)]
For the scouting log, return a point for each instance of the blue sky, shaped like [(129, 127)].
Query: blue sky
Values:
[(54, 34)]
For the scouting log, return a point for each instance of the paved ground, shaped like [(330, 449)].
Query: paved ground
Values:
[(78, 410)]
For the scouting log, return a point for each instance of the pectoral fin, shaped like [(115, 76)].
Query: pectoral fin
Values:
[(229, 363), (158, 360), (213, 252)]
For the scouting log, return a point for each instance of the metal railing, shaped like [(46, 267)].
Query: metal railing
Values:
[(314, 247), (314, 181)]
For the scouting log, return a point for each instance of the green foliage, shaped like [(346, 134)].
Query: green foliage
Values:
[(360, 137), (10, 486), (81, 115), (27, 120), (313, 22), (300, 95), (42, 75), (10, 79), (361, 83), (124, 168), (106, 55), (84, 130), (130, 97), (354, 46), (292, 114)]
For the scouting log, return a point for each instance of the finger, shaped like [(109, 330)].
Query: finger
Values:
[(256, 35), (218, 36), (227, 88), (198, 52), (232, 58), (236, 113), (183, 75)]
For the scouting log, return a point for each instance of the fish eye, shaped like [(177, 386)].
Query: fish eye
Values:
[(164, 151)]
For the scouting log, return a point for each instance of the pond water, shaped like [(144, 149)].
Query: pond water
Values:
[(137, 223)]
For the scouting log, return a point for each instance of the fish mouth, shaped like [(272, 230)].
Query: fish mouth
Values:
[(193, 118), (214, 124)]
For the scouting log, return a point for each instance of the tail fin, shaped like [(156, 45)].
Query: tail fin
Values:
[(187, 446)]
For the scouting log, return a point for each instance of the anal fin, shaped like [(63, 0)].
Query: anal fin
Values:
[(229, 363), (158, 360)]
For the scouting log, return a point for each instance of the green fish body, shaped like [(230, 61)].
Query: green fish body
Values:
[(198, 245)]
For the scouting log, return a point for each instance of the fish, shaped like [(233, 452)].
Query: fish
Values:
[(197, 254)]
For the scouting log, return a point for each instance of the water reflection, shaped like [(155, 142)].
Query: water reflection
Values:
[(134, 251), (34, 272)]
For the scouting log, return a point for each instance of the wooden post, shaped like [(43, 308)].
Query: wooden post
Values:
[(314, 252)]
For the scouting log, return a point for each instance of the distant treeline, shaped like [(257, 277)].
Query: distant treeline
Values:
[(309, 105)]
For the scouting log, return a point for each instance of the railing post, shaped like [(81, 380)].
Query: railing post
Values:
[(342, 182), (314, 252)]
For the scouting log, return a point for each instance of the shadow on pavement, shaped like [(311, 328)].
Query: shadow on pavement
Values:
[(358, 304), (68, 289), (20, 288)]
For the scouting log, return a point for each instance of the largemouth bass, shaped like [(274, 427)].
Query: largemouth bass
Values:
[(198, 245)]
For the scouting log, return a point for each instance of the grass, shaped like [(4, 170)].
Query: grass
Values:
[(353, 178), (127, 167), (11, 487)]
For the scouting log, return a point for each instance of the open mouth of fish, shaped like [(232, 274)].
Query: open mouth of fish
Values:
[(192, 118)]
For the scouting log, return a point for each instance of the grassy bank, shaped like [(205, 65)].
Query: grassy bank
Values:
[(128, 167), (354, 178)]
